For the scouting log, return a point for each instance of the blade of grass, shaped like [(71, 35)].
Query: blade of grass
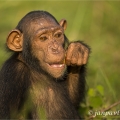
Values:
[(108, 84), (78, 19)]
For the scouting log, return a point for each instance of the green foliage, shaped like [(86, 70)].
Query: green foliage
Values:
[(100, 90), (95, 96), (96, 107), (41, 113)]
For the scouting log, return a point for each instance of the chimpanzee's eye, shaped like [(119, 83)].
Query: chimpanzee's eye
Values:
[(43, 38), (58, 35)]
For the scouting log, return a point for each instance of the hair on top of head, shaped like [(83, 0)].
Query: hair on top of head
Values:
[(34, 15)]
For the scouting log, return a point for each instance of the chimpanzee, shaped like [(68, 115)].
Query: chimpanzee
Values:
[(45, 76)]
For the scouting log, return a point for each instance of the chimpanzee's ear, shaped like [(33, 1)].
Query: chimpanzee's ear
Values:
[(63, 23), (15, 40)]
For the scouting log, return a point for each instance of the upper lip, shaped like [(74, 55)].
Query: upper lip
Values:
[(56, 63)]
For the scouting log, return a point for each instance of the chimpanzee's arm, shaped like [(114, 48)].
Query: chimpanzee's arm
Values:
[(13, 84), (76, 59)]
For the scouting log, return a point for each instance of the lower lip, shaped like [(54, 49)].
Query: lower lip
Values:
[(57, 66)]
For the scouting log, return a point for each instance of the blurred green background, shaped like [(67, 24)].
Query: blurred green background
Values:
[(97, 23)]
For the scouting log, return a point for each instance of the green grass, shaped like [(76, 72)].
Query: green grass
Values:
[(94, 22)]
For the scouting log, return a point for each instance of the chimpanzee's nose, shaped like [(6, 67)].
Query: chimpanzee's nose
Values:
[(55, 47)]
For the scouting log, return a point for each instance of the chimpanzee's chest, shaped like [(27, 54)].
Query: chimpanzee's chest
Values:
[(53, 102)]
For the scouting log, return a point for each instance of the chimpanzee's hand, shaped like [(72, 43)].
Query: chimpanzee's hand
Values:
[(77, 54)]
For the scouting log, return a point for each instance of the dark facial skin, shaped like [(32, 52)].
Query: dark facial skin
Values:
[(47, 46)]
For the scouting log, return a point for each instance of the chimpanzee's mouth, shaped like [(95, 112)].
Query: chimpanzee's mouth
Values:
[(57, 65), (56, 69)]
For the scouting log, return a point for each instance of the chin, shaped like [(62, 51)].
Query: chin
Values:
[(57, 70)]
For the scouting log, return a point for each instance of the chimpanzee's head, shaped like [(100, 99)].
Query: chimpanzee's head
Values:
[(40, 40)]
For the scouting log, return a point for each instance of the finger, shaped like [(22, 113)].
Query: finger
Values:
[(85, 57), (80, 59), (69, 54), (74, 58), (68, 58)]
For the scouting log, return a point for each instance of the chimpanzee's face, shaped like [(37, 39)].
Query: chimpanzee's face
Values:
[(47, 46)]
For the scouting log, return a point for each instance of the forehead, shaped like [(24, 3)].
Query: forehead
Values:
[(44, 25)]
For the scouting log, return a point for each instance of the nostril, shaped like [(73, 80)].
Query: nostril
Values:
[(55, 50)]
